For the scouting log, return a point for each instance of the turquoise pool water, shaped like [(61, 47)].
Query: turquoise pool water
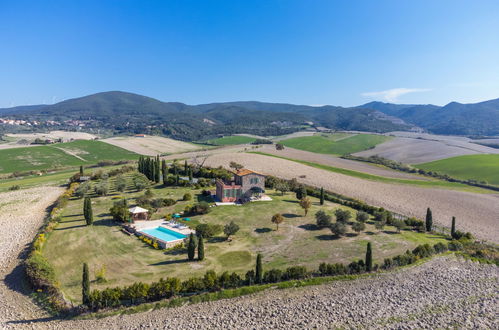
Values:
[(163, 234)]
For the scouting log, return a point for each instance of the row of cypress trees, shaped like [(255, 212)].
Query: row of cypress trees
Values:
[(191, 248), (151, 167)]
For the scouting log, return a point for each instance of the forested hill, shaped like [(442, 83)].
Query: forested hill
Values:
[(454, 118), (123, 112)]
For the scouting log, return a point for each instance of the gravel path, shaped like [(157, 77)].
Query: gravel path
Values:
[(477, 213)]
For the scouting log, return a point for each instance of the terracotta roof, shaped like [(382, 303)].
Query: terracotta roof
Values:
[(244, 171)]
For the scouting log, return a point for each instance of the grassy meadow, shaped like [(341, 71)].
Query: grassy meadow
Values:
[(127, 259), (231, 140), (475, 167), (60, 155), (336, 144)]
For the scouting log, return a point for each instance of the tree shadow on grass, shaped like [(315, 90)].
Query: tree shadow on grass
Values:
[(309, 226), (389, 232), (263, 230), (105, 222), (291, 215), (72, 215), (290, 201), (171, 262), (71, 227), (351, 234), (216, 239), (370, 233), (327, 237)]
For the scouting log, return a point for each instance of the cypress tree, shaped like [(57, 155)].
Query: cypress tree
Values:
[(369, 258), (191, 247), (177, 180), (200, 248), (164, 171), (259, 269), (322, 196), (151, 169), (139, 165), (87, 211), (175, 169), (190, 174), (185, 167), (85, 285), (81, 169), (157, 170), (429, 220), (453, 228)]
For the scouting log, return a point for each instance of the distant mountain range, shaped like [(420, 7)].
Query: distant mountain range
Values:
[(121, 112)]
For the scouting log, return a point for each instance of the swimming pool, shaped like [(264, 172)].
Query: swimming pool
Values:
[(163, 234)]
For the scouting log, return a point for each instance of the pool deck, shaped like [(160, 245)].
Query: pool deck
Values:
[(139, 226)]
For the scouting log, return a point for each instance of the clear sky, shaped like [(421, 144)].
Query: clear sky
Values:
[(304, 52)]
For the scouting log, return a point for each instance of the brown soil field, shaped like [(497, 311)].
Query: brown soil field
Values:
[(339, 162), (415, 148), (151, 145), (477, 213), (64, 135)]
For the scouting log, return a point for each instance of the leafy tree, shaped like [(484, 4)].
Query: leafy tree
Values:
[(277, 219), (85, 285), (148, 194), (102, 188), (369, 258), (187, 197), (362, 216), (301, 193), (342, 215), (379, 225), (140, 182), (235, 166), (279, 146), (282, 186), (119, 211), (429, 220), (322, 196), (381, 216), (208, 230), (191, 247), (358, 226), (120, 183), (230, 229), (306, 204), (323, 219), (259, 269), (338, 228), (399, 224), (453, 228), (200, 249)]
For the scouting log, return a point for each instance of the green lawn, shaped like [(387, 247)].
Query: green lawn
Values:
[(231, 140), (60, 155), (127, 259), (475, 167), (434, 183), (335, 144)]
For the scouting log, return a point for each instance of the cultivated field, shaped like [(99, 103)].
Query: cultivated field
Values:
[(21, 213), (231, 140), (335, 144), (151, 145), (475, 167), (60, 155), (415, 148), (24, 139), (477, 213)]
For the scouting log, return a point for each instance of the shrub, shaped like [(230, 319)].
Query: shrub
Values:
[(187, 197), (362, 216), (342, 215), (200, 208), (455, 246), (322, 219), (332, 269), (208, 230), (358, 226), (272, 276), (14, 187), (230, 229), (295, 273), (423, 251), (338, 228)]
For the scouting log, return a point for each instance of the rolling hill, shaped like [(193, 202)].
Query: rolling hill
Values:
[(454, 118)]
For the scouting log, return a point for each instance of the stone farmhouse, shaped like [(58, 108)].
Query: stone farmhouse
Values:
[(246, 185)]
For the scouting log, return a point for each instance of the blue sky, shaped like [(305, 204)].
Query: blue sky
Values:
[(304, 52)]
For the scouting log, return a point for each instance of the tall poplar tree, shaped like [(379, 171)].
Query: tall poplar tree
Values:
[(453, 228), (200, 248)]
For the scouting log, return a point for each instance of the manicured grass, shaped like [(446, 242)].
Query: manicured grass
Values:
[(231, 140), (60, 155), (475, 167), (334, 144), (127, 259), (430, 183)]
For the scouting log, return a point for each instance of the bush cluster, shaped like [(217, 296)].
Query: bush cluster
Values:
[(151, 242)]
